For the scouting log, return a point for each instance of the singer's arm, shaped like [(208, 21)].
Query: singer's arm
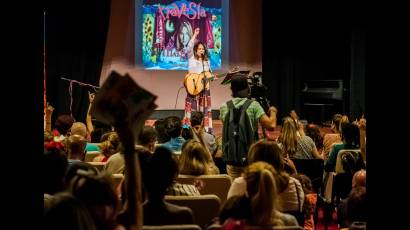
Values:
[(191, 43)]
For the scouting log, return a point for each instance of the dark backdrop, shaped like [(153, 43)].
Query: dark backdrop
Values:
[(313, 42), (76, 32)]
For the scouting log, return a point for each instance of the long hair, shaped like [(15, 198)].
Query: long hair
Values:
[(288, 136), (194, 159), (205, 53), (182, 25), (337, 118), (269, 152), (313, 131), (111, 145), (262, 192)]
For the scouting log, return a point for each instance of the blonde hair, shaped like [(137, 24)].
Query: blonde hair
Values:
[(288, 136), (262, 192), (111, 145), (78, 128), (194, 159)]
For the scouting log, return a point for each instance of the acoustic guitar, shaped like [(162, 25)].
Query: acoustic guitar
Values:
[(195, 83)]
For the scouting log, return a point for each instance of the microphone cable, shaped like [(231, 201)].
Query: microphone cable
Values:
[(176, 100)]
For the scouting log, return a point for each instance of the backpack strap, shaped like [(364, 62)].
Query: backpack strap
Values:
[(247, 103), (231, 107), (245, 106)]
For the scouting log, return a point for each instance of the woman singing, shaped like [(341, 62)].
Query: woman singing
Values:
[(198, 62)]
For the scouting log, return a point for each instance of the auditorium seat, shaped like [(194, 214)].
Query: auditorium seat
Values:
[(212, 184), (204, 207)]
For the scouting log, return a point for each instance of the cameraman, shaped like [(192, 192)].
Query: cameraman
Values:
[(240, 92)]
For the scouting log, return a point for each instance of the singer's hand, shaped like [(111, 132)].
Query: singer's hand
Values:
[(196, 32)]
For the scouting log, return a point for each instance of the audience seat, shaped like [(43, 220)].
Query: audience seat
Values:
[(98, 165), (204, 207), (89, 156), (117, 180), (212, 184), (219, 227), (312, 168), (337, 185), (171, 227)]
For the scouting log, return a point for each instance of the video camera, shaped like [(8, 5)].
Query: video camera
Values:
[(258, 90)]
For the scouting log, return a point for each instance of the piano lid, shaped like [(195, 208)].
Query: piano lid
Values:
[(328, 89)]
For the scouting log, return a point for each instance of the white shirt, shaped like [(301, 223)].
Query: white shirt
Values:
[(194, 65)]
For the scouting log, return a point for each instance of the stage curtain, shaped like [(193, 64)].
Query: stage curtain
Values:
[(76, 34)]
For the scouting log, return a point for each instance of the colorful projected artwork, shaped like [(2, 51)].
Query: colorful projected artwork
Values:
[(167, 29)]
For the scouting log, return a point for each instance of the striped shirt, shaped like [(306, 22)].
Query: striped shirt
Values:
[(178, 189)]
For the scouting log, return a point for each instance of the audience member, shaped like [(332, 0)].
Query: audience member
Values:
[(351, 140), (260, 206), (309, 205), (290, 191), (108, 147), (195, 160), (173, 127), (158, 178), (79, 128), (159, 126), (295, 145), (331, 138), (75, 146), (55, 166), (313, 132)]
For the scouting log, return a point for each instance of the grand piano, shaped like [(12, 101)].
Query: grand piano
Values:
[(321, 99)]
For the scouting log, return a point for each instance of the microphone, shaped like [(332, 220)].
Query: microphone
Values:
[(193, 80)]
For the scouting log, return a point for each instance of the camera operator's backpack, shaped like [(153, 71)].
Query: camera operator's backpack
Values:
[(237, 134)]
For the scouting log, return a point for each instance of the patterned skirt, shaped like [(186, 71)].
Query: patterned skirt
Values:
[(200, 102)]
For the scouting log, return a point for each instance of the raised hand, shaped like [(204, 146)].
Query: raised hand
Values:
[(196, 32), (91, 96), (49, 109)]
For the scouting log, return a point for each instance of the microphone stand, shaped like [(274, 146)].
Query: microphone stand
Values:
[(203, 71), (203, 81)]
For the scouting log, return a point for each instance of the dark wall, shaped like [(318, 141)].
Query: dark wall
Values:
[(305, 42), (75, 39)]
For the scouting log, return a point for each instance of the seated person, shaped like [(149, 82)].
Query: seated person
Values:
[(159, 176), (110, 144), (79, 128), (173, 127), (75, 146), (259, 207), (206, 139), (290, 191), (162, 135), (355, 199), (195, 160), (351, 140)]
